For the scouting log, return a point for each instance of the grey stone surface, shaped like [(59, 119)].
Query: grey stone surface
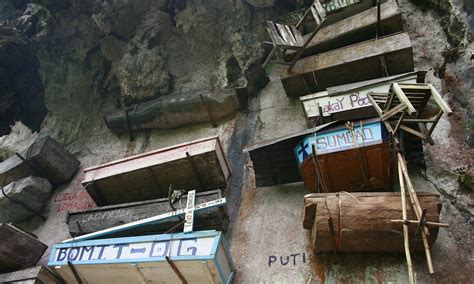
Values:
[(30, 191)]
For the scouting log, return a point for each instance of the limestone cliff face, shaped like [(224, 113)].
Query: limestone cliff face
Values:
[(92, 56), (66, 63)]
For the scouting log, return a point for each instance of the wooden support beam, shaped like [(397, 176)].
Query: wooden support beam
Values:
[(176, 270), (417, 209), (415, 222), (403, 98), (439, 100), (406, 240), (75, 273)]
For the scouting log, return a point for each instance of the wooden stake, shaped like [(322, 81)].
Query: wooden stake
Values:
[(405, 226), (417, 209), (429, 224)]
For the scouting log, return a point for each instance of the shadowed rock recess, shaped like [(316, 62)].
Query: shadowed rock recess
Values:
[(67, 64)]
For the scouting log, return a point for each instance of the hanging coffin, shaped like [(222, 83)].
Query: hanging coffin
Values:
[(172, 111), (100, 218), (200, 165), (362, 222), (199, 257), (18, 249), (32, 275), (377, 58), (357, 160), (44, 158)]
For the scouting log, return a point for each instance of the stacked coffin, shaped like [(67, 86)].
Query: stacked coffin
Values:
[(27, 180), (161, 217), (366, 108)]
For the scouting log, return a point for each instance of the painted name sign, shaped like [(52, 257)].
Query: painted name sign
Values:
[(339, 140), (336, 104), (134, 249)]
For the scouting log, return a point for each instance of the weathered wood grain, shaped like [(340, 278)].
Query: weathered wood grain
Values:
[(148, 176), (343, 66), (362, 221), (18, 249), (32, 275), (356, 28), (350, 101), (88, 221), (172, 111), (45, 158)]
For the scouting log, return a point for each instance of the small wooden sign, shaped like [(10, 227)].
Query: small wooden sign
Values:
[(349, 102), (189, 216)]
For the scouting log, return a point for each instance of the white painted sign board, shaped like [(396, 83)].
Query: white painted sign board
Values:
[(201, 257)]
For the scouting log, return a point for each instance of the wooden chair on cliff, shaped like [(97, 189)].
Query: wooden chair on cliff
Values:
[(414, 108), (285, 38)]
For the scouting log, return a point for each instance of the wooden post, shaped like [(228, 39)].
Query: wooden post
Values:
[(418, 210), (405, 226)]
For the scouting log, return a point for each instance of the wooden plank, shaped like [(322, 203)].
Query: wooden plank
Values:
[(33, 275), (343, 65), (129, 180), (88, 221), (357, 28), (18, 249), (350, 102), (402, 97), (46, 158), (440, 101), (362, 221)]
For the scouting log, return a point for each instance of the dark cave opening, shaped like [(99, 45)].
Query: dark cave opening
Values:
[(21, 87)]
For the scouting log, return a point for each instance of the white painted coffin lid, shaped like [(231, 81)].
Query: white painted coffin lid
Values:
[(153, 158)]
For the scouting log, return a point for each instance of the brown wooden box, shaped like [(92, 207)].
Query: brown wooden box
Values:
[(100, 218), (200, 165), (18, 249)]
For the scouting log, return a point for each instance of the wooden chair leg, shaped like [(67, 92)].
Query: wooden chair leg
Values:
[(270, 55)]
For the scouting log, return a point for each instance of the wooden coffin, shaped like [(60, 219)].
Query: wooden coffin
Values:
[(18, 249), (357, 28), (44, 158), (344, 165), (366, 60), (338, 10), (350, 101), (274, 161), (200, 165), (32, 275), (182, 109), (198, 257), (362, 221), (88, 221)]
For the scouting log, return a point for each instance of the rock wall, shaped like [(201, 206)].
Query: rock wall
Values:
[(89, 57)]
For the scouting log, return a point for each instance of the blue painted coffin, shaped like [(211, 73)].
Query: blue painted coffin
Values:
[(200, 257), (339, 139), (346, 161)]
